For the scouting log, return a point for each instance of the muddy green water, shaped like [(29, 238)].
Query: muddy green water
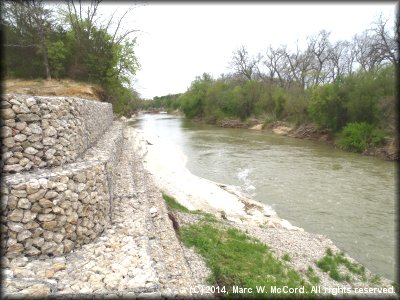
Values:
[(347, 197)]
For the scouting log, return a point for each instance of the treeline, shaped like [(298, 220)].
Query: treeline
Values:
[(162, 102), (67, 40), (347, 87)]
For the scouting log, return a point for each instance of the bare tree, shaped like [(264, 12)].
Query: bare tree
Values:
[(299, 66), (384, 42), (244, 65), (319, 46), (276, 64), (341, 59), (365, 55)]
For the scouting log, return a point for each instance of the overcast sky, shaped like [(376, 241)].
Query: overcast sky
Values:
[(179, 41)]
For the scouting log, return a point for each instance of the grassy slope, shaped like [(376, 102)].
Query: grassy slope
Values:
[(238, 260)]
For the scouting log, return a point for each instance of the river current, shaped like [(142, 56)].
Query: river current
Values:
[(347, 197)]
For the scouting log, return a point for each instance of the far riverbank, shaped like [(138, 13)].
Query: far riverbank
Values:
[(308, 131)]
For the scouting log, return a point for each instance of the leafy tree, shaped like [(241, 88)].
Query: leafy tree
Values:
[(192, 102), (57, 53), (27, 26), (72, 43), (327, 107)]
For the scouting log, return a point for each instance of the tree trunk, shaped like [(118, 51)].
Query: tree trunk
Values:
[(43, 47), (46, 64)]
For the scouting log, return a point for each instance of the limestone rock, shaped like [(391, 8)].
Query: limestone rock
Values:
[(30, 150), (22, 272), (16, 227), (28, 117), (51, 194), (15, 248), (9, 142), (49, 141), (37, 291), (30, 101), (29, 216), (5, 131), (35, 128), (35, 196), (50, 225), (32, 186), (33, 251), (16, 215), (23, 235), (20, 137), (13, 168), (7, 113), (24, 203), (50, 131), (68, 245)]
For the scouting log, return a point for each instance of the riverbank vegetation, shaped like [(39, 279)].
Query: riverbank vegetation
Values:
[(331, 264), (70, 41), (226, 251), (346, 87)]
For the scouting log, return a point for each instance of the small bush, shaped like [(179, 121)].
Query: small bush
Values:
[(359, 136)]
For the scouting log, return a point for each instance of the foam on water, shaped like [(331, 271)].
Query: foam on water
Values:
[(247, 184)]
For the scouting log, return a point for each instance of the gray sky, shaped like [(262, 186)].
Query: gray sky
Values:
[(179, 41)]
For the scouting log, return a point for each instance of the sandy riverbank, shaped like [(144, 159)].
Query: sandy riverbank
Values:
[(167, 163)]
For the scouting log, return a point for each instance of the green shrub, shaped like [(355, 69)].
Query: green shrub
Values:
[(359, 136), (327, 107)]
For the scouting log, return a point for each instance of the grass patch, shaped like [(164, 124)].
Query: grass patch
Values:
[(207, 217), (286, 257), (331, 263), (173, 204), (237, 260), (312, 277), (376, 280)]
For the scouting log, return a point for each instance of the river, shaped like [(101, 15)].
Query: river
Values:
[(347, 197)]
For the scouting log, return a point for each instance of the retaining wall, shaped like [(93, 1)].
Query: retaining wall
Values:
[(50, 211), (42, 132)]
